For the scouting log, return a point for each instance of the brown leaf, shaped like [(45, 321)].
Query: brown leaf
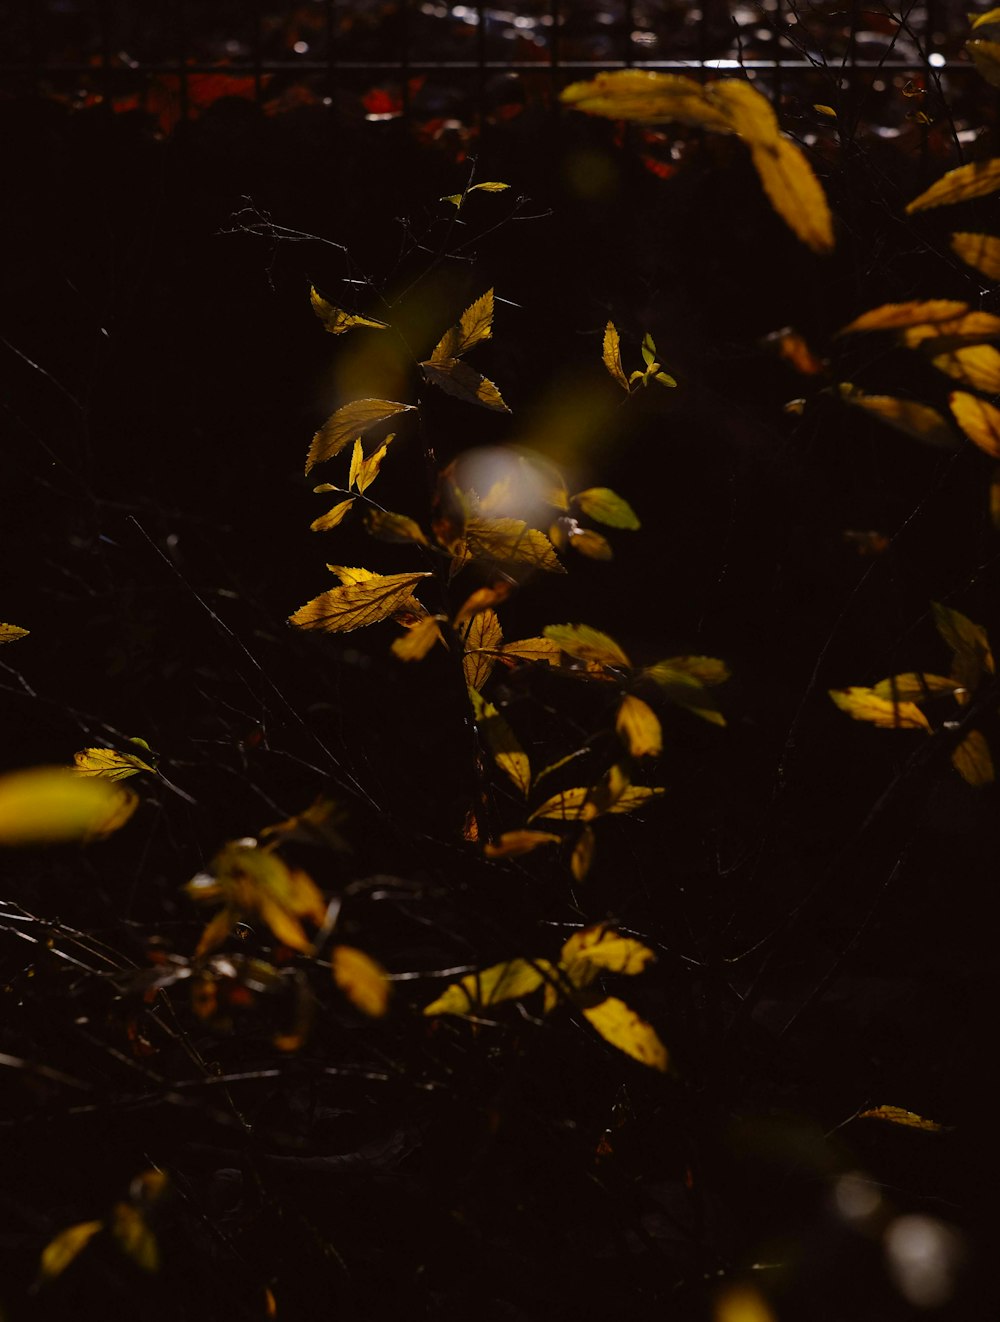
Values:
[(418, 640), (914, 687), (474, 326), (978, 179), (332, 517), (973, 761), (357, 604), (534, 649), (510, 541), (336, 320), (590, 543), (9, 633), (482, 599), (895, 1115), (459, 379), (349, 422), (613, 355), (389, 527), (906, 415)]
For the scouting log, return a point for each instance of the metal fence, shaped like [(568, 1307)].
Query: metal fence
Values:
[(124, 51)]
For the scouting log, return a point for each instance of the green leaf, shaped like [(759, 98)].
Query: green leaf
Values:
[(604, 505)]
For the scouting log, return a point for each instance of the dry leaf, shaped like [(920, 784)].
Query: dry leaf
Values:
[(604, 505), (459, 379), (639, 726), (586, 644), (54, 805), (9, 633), (336, 320), (332, 517), (582, 859), (514, 843), (510, 541), (474, 326), (906, 415), (349, 422), (973, 761), (898, 316), (896, 1115), (362, 980), (613, 355), (482, 638), (110, 763), (623, 1028), (980, 251), (634, 796), (482, 599), (503, 982), (418, 640), (979, 420), (976, 365), (358, 602), (978, 179), (866, 705), (67, 1245)]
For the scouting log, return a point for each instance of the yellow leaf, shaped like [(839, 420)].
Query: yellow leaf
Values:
[(968, 642), (741, 1303), (507, 752), (638, 725), (43, 805), (896, 1115), (953, 332), (977, 365), (10, 633), (503, 982), (134, 1237), (587, 644), (865, 705), (655, 98), (582, 859), (418, 641), (601, 949), (357, 603), (332, 517), (336, 320), (108, 762), (362, 980), (681, 684), (474, 326), (794, 192), (607, 507), (613, 355), (482, 638), (898, 316), (978, 179), (254, 881), (534, 649), (623, 1028), (634, 796), (510, 541), (514, 843), (349, 422), (590, 543), (973, 761), (389, 527), (566, 806), (365, 471), (914, 687), (986, 58), (459, 379), (987, 19), (980, 251), (67, 1245), (825, 110), (979, 420), (906, 415)]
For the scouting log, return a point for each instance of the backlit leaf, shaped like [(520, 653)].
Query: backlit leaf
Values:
[(976, 365), (980, 251), (750, 114), (865, 705), (917, 420), (514, 843), (510, 541), (914, 687), (706, 669), (474, 326), (503, 982), (362, 980), (686, 689), (601, 949), (418, 641), (507, 752), (459, 379), (613, 355), (953, 332), (623, 1028), (978, 179), (986, 19), (604, 505), (968, 641), (566, 806), (336, 320), (365, 471), (794, 191), (986, 58), (43, 805), (654, 98), (635, 796), (590, 543), (482, 599), (979, 420), (534, 649), (9, 633), (110, 763), (582, 859), (332, 517), (898, 316), (357, 604), (389, 527), (896, 1115), (67, 1245), (134, 1237), (482, 638), (639, 726), (587, 644), (349, 422), (973, 761)]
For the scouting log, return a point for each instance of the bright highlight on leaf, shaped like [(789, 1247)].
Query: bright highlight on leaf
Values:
[(336, 320), (9, 633), (978, 179), (349, 422), (639, 726), (357, 604), (365, 471), (865, 705), (613, 355), (55, 805), (979, 420), (482, 638), (510, 541), (332, 518), (896, 1115), (914, 687), (474, 326), (607, 507), (108, 762), (586, 644), (503, 982), (66, 1246), (601, 949), (623, 1028), (362, 980), (980, 251)]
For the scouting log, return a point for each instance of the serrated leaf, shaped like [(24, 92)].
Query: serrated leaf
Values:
[(66, 1246), (750, 114), (914, 686), (390, 527), (362, 980), (336, 320), (864, 704), (507, 752), (418, 641), (898, 316), (514, 843), (592, 544), (456, 199), (54, 805), (986, 58), (601, 949), (482, 638), (566, 806), (364, 471), (828, 111), (474, 326), (896, 1115), (706, 669), (587, 644), (108, 762), (976, 365), (510, 541), (534, 649), (682, 686), (917, 420), (978, 179), (648, 349), (482, 599), (986, 19), (980, 251), (357, 603), (9, 633), (349, 422), (606, 506), (612, 354), (509, 981), (582, 858), (979, 420), (332, 517), (973, 760), (623, 1028), (459, 379), (639, 726)]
